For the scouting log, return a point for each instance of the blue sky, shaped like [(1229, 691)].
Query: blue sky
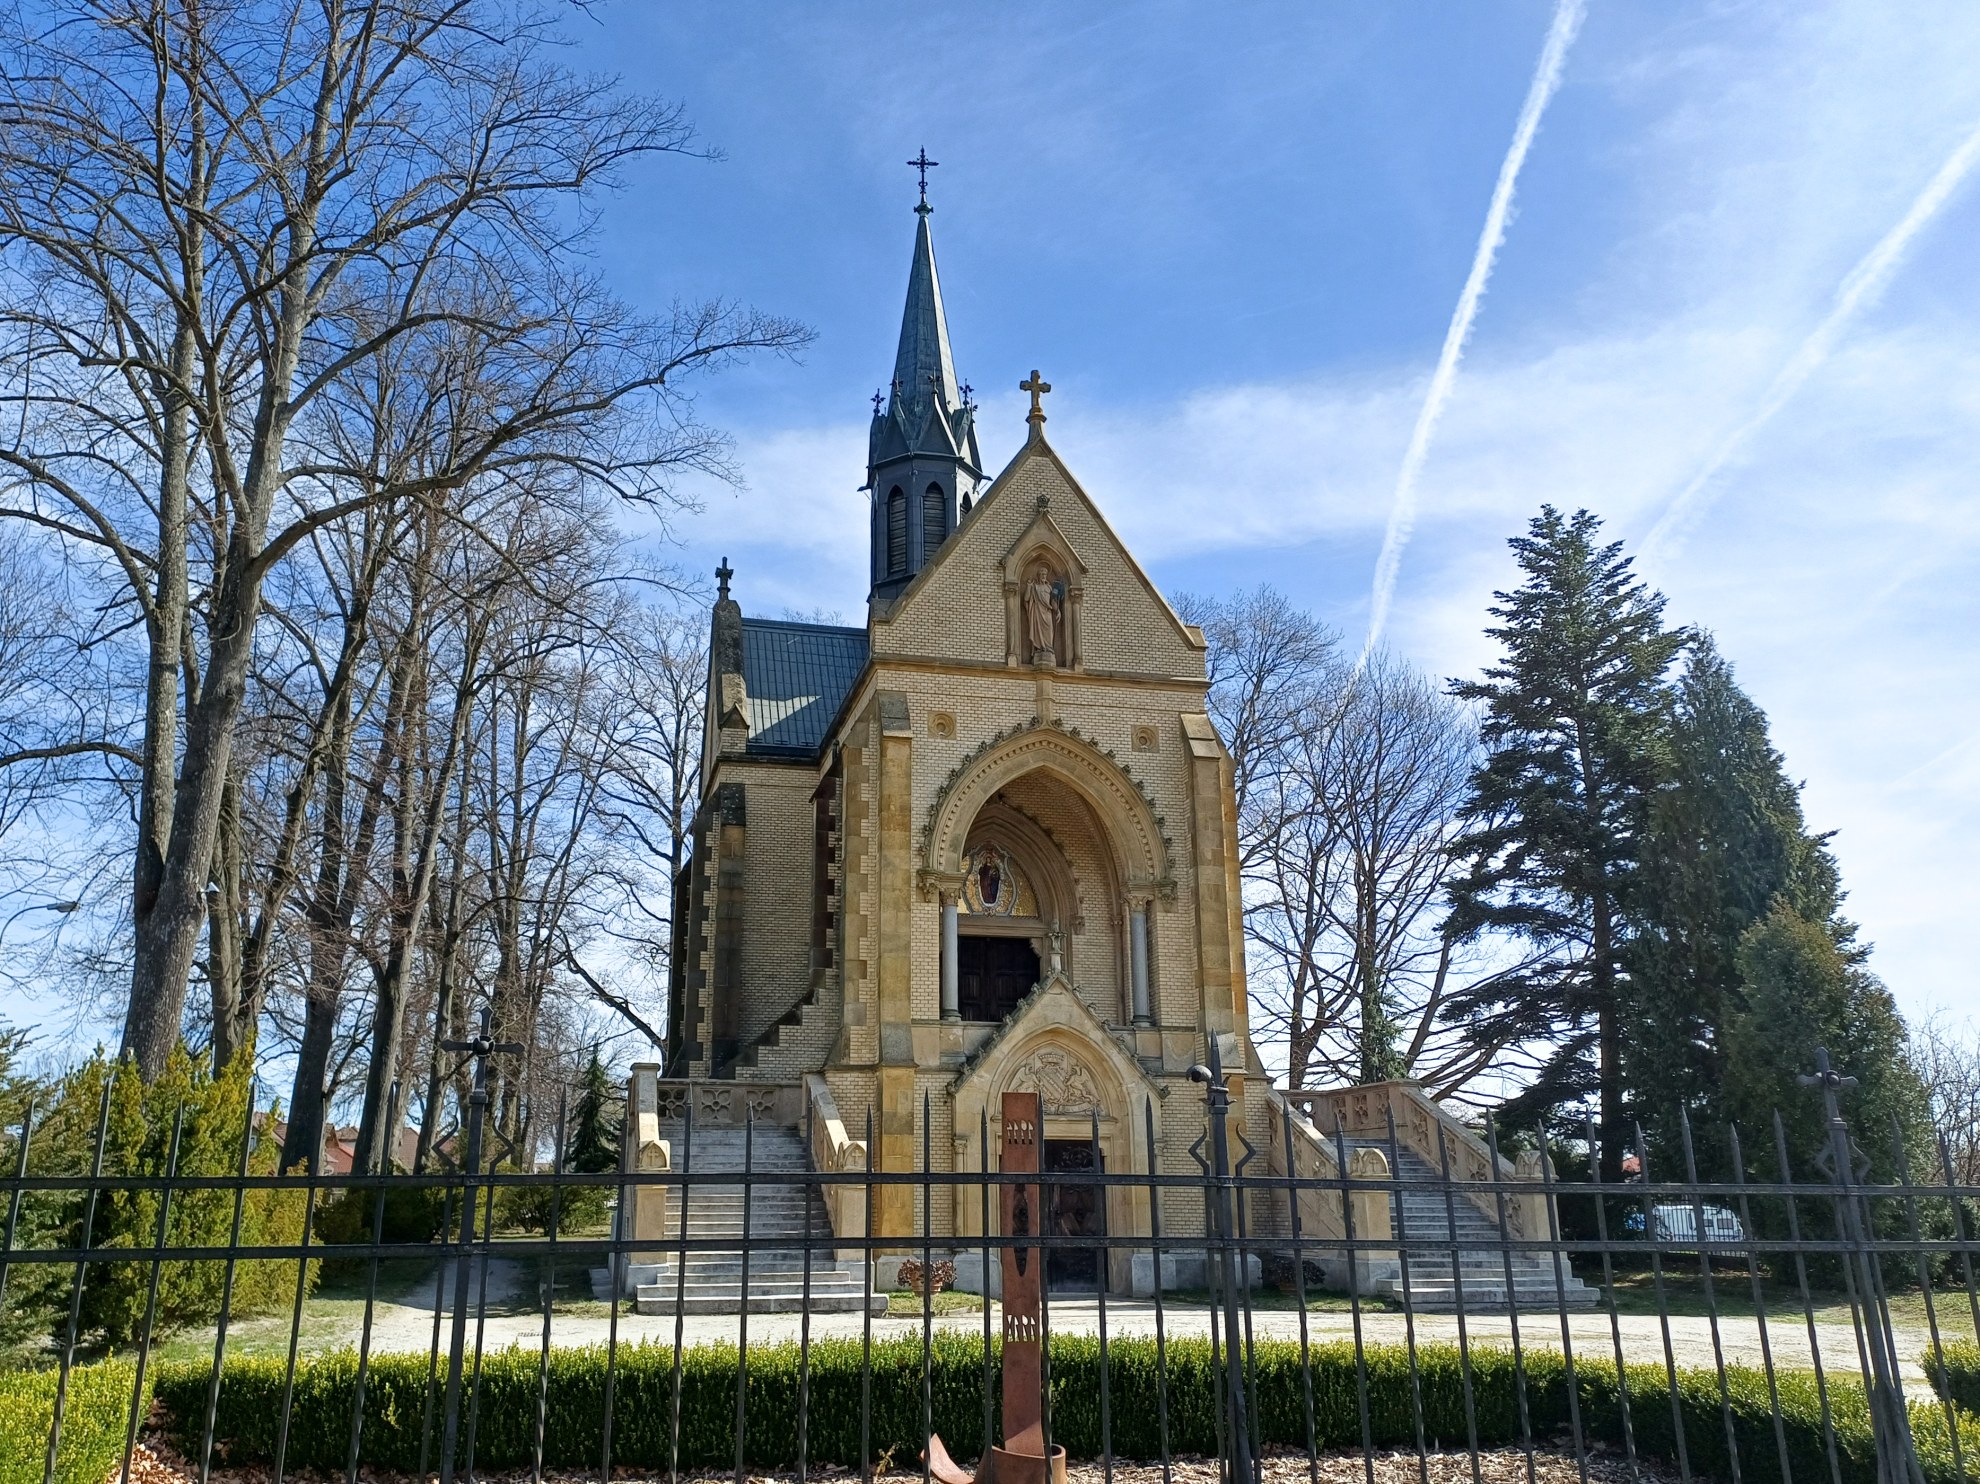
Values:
[(1232, 238)]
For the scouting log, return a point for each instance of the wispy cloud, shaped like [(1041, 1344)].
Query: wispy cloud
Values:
[(1857, 291), (1402, 510)]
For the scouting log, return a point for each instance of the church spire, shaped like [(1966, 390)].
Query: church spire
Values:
[(921, 453)]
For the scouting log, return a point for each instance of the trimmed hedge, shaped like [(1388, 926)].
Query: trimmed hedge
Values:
[(1958, 1378), (94, 1414), (396, 1390)]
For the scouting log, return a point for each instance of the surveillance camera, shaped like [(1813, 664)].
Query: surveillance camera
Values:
[(1200, 1073)]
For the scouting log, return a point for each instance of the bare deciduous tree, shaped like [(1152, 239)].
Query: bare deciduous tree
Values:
[(214, 220)]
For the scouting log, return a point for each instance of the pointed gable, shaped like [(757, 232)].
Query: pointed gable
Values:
[(965, 605)]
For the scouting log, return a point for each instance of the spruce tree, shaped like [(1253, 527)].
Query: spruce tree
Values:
[(1572, 721), (1804, 985), (594, 1146), (1723, 841)]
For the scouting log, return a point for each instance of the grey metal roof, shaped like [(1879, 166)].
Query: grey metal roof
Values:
[(796, 675)]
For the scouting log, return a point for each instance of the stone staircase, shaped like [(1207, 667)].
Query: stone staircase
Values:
[(714, 1275), (1433, 1218)]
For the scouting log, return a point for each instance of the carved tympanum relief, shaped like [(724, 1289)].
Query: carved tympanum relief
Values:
[(1063, 1082)]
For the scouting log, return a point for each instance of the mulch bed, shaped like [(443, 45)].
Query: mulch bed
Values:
[(158, 1463)]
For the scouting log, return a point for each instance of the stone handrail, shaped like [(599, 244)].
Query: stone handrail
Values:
[(643, 1208), (1365, 1113), (1324, 1209), (833, 1151), (724, 1103)]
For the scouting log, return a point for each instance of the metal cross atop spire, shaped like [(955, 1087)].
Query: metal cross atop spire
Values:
[(923, 164)]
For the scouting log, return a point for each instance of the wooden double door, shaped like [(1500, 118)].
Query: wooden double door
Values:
[(992, 975)]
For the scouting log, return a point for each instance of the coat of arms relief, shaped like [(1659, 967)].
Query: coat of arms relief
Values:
[(1063, 1082)]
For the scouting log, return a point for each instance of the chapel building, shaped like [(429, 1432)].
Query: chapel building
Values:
[(985, 841)]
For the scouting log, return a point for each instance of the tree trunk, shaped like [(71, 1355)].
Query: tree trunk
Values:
[(235, 1011)]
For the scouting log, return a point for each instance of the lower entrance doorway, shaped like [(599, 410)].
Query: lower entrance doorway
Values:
[(1073, 1211), (992, 975)]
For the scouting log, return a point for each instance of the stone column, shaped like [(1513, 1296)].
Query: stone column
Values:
[(951, 972), (1138, 960)]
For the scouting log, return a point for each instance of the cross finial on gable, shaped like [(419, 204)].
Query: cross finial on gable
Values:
[(722, 575), (1037, 387)]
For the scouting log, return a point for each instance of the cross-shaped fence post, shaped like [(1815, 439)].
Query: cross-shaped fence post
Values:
[(1890, 1422)]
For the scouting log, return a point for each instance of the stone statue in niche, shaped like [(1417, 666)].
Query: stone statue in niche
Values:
[(1041, 616)]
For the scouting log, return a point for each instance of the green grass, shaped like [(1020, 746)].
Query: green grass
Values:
[(1284, 1300), (905, 1303), (1732, 1292), (330, 1316)]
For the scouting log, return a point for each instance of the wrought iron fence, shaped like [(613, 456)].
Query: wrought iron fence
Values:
[(1783, 1321)]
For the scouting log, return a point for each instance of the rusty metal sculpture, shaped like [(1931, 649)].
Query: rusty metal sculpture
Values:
[(1022, 1459)]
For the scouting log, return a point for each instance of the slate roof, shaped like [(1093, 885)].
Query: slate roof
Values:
[(796, 676)]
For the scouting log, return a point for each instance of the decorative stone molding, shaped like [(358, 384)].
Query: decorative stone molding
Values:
[(1144, 853)]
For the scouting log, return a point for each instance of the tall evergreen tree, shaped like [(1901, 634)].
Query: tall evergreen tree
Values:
[(1572, 721), (1723, 841), (594, 1146), (1804, 985)]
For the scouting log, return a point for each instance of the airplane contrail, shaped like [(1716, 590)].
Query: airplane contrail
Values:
[(1402, 510), (1858, 290)]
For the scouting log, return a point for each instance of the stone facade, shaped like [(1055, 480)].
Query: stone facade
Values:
[(984, 843)]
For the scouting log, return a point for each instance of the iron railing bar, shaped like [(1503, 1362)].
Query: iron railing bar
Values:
[(1239, 1207), (364, 1340), (1808, 1308), (1354, 1307), (76, 1290), (927, 1285), (1155, 1255), (1599, 1198), (1512, 1309), (1959, 1235), (313, 1171), (1937, 1368), (804, 1313), (433, 1384), (742, 1306), (1760, 1311), (15, 1197), (151, 1293), (680, 1290), (1925, 1290), (548, 1290), (1045, 1243), (1457, 1294), (989, 1373), (1408, 1308), (874, 1159), (226, 1295), (1106, 1382), (1558, 1263), (1663, 1313), (1700, 1229), (482, 1263), (1299, 1297)]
